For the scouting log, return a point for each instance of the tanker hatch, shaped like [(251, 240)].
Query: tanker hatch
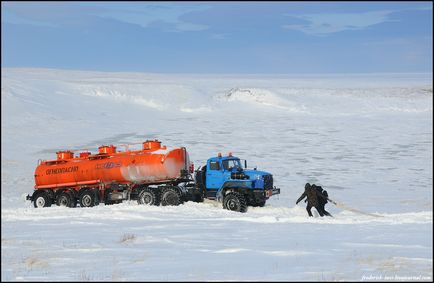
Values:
[(84, 154), (151, 145), (65, 154), (107, 149)]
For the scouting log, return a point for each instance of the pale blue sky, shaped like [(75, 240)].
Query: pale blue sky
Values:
[(219, 37)]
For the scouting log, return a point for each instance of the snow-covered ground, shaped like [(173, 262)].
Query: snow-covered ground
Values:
[(367, 139)]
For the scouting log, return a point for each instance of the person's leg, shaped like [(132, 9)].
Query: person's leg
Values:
[(320, 210), (327, 213), (308, 207)]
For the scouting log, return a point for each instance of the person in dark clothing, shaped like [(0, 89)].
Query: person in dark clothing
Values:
[(312, 199), (322, 199)]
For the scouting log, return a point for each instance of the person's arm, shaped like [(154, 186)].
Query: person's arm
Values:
[(321, 195), (303, 195)]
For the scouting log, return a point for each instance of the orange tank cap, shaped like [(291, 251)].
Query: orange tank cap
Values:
[(84, 154), (64, 154), (151, 145), (107, 149)]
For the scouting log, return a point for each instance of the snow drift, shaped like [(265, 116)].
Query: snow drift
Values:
[(367, 139)]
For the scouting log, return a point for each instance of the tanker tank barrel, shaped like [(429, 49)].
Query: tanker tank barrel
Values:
[(88, 176)]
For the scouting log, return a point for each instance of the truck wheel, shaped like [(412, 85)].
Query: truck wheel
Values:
[(64, 199), (148, 197), (42, 199), (87, 198), (170, 196), (235, 202)]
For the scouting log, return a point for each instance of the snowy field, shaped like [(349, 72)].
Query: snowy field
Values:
[(367, 139)]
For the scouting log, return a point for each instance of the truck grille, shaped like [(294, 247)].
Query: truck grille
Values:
[(268, 182)]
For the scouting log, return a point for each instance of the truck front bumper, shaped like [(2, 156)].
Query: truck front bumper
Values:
[(272, 192)]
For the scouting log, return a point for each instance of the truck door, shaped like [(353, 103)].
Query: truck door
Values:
[(214, 175)]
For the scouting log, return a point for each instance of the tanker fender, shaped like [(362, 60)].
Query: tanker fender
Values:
[(69, 190), (49, 192)]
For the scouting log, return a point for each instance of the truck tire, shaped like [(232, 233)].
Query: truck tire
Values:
[(64, 199), (235, 202), (149, 197), (42, 199), (87, 198), (170, 196)]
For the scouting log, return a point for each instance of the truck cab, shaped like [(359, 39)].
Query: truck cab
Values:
[(226, 179)]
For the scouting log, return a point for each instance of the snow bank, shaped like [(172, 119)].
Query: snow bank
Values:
[(367, 139)]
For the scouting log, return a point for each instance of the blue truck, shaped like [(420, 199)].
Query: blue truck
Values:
[(224, 178)]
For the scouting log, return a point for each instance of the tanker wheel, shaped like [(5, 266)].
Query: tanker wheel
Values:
[(42, 199), (97, 199), (87, 198), (148, 197), (64, 199), (198, 197), (235, 202), (73, 199), (170, 196)]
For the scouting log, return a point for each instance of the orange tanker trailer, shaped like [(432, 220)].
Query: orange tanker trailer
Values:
[(151, 175)]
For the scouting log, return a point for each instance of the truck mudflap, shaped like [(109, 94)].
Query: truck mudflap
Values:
[(272, 192)]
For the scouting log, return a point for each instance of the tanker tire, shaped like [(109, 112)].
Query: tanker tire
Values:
[(64, 199), (148, 197), (235, 202), (73, 199), (42, 199), (97, 199), (198, 198), (170, 196), (87, 198)]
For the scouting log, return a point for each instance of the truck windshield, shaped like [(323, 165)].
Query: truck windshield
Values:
[(228, 164)]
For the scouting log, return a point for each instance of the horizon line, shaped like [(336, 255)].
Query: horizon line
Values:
[(220, 73)]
